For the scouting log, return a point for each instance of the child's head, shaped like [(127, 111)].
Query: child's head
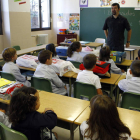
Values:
[(89, 61), (45, 57), (75, 46), (135, 68), (9, 54), (51, 48), (104, 121), (23, 101), (104, 54)]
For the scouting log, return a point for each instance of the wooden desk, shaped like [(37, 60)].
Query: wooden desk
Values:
[(110, 81), (128, 117), (66, 108), (125, 64), (28, 50), (91, 44)]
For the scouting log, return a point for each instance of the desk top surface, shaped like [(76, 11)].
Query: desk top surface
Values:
[(28, 50), (112, 80), (121, 77), (91, 44), (129, 118), (125, 63), (66, 108)]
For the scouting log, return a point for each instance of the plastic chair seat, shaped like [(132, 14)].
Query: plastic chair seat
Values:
[(41, 84), (84, 90), (8, 76)]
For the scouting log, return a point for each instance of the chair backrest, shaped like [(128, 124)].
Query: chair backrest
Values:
[(9, 134), (16, 47), (100, 40), (41, 84), (8, 76), (76, 64), (131, 101), (84, 90)]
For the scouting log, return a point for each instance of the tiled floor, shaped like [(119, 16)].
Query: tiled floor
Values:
[(64, 134)]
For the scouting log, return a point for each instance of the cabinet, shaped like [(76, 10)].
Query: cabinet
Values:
[(61, 37)]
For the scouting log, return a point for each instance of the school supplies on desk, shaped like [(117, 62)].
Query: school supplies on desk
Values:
[(4, 82), (118, 57)]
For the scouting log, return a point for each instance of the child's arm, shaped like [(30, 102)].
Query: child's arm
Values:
[(99, 91), (123, 85), (114, 68)]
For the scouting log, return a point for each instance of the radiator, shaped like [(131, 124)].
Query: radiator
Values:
[(42, 39)]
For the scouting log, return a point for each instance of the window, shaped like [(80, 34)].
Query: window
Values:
[(0, 20), (40, 11)]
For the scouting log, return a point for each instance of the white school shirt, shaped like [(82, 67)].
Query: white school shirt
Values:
[(75, 57), (114, 68), (46, 71), (11, 67), (56, 57), (130, 85), (128, 75), (84, 126), (89, 77)]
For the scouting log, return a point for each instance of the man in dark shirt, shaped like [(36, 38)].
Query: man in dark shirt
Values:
[(114, 28)]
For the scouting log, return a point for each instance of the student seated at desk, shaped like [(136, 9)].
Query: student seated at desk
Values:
[(87, 76), (45, 70), (128, 75), (52, 48), (133, 84), (73, 52), (104, 122), (105, 56), (24, 116), (9, 55)]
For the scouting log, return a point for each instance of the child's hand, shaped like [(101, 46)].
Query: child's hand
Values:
[(65, 87), (46, 109)]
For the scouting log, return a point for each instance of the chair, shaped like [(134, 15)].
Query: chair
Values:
[(9, 134), (8, 76), (100, 40), (16, 47), (41, 84), (84, 90), (76, 64), (131, 101)]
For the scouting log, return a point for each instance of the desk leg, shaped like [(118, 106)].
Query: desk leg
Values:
[(130, 55), (101, 46), (71, 132), (70, 87), (133, 54), (111, 90), (80, 135), (117, 96)]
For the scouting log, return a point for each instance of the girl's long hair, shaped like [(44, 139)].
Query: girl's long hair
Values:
[(104, 121), (73, 47), (51, 48), (104, 54), (22, 102)]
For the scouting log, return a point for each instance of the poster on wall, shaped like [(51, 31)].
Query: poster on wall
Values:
[(83, 3), (60, 17), (74, 21), (108, 3)]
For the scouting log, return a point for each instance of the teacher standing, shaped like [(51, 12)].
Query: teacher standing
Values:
[(114, 28)]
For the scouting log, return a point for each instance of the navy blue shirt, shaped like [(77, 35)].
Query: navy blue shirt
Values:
[(116, 28)]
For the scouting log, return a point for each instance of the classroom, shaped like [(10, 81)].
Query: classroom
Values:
[(19, 28)]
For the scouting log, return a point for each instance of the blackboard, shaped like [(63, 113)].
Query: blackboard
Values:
[(92, 21)]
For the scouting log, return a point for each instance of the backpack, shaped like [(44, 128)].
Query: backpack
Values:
[(102, 69)]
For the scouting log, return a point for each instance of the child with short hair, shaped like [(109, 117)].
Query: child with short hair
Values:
[(24, 116), (104, 122), (73, 52), (87, 76), (9, 55), (132, 85), (105, 56), (52, 48), (44, 70)]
